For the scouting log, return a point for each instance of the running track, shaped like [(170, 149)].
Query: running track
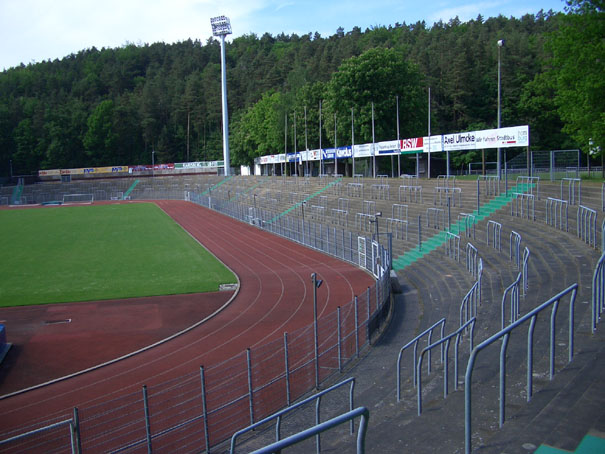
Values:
[(275, 296)]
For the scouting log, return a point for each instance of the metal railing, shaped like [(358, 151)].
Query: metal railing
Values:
[(504, 335), (414, 342), (324, 426), (313, 398), (452, 245), (445, 359), (496, 228), (557, 213), (511, 294), (598, 293), (515, 249), (574, 186), (72, 424), (587, 225)]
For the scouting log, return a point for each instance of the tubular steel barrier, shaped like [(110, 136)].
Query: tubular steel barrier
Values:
[(445, 359), (524, 272), (452, 245), (598, 293), (437, 216), (73, 425), (414, 342), (511, 291), (469, 223), (495, 227), (557, 213), (471, 259), (315, 430), (278, 416), (530, 184), (515, 249), (574, 185), (504, 335), (491, 185), (521, 200), (587, 225)]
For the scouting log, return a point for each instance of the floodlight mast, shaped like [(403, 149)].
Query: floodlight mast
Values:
[(221, 26)]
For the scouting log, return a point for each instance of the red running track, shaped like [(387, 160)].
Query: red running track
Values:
[(275, 296)]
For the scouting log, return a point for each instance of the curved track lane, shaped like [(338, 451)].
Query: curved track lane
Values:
[(275, 296)]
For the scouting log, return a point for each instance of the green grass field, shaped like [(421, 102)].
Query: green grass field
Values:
[(89, 253)]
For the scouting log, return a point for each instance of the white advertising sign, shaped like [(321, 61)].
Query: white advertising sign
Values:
[(362, 151), (388, 147)]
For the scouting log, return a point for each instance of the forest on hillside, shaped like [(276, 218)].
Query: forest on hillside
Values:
[(114, 106)]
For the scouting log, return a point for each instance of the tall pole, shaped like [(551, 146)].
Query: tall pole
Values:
[(306, 143), (285, 142), (373, 141), (353, 140), (429, 153), (188, 123), (499, 159), (295, 149), (399, 154), (335, 146), (321, 154), (221, 26), (225, 109)]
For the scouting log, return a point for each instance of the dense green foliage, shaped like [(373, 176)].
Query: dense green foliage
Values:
[(101, 252), (114, 106)]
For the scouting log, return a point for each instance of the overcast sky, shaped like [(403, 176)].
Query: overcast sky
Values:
[(37, 30)]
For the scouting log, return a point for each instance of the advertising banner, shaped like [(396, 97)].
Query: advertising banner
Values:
[(362, 151), (314, 155), (388, 148), (433, 143), (49, 173), (409, 146), (328, 153), (76, 171), (343, 152), (516, 136)]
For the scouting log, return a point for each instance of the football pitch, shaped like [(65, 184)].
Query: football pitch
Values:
[(97, 252)]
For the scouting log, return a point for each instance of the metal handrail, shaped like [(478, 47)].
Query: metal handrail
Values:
[(414, 342), (446, 340), (315, 430), (513, 290), (505, 335), (598, 292), (315, 397)]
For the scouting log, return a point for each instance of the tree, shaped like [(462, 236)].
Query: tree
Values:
[(100, 138), (578, 65), (377, 76)]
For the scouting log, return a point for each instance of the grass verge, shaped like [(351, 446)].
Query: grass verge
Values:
[(98, 252)]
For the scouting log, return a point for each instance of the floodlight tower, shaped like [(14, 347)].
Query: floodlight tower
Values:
[(221, 26)]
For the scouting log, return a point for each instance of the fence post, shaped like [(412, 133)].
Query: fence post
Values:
[(250, 389), (147, 424), (76, 441), (339, 340), (204, 409), (419, 232), (478, 195), (287, 368), (356, 327), (369, 312)]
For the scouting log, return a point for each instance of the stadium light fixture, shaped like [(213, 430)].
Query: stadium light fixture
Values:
[(221, 26)]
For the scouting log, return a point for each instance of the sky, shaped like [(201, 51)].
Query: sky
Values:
[(38, 30)]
